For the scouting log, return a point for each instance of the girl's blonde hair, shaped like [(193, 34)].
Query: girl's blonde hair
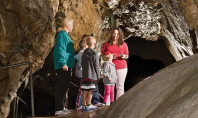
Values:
[(105, 59)]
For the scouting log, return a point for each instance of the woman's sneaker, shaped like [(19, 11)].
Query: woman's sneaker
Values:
[(62, 112)]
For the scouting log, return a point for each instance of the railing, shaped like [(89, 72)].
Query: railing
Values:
[(31, 83)]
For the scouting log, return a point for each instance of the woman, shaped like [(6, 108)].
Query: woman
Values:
[(116, 46), (63, 62)]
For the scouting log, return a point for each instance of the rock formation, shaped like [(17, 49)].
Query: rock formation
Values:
[(170, 93), (152, 20), (28, 28)]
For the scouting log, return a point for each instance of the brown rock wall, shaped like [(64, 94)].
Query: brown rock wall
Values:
[(190, 9), (86, 15), (28, 31)]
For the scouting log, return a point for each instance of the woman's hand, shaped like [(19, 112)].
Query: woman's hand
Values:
[(110, 79), (123, 56), (65, 67)]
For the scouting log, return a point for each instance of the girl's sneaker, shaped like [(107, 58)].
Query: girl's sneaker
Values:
[(100, 104)]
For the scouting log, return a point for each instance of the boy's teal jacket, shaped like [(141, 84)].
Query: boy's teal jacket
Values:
[(63, 51)]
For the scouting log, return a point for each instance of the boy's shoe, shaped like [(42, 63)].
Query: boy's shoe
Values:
[(84, 108), (89, 107), (100, 104), (62, 112)]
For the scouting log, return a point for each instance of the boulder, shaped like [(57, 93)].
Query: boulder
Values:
[(170, 93)]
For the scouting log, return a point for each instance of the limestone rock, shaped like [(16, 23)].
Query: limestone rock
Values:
[(170, 93)]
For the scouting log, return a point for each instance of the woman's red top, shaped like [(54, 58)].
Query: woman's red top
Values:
[(115, 49)]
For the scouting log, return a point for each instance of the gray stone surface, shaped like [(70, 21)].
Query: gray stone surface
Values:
[(170, 93)]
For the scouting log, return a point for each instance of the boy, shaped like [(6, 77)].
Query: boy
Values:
[(83, 46), (96, 97), (90, 72)]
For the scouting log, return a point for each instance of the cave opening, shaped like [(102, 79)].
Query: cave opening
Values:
[(145, 59)]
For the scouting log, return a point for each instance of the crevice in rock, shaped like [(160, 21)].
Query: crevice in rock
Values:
[(194, 40)]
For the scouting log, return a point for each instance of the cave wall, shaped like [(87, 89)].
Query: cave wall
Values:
[(27, 33), (190, 9), (176, 31), (28, 28)]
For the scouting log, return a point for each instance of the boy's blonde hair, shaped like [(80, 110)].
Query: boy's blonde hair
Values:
[(90, 40)]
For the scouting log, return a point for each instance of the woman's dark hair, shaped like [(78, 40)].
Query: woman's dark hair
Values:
[(121, 37)]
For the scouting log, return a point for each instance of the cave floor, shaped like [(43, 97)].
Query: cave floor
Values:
[(98, 113)]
